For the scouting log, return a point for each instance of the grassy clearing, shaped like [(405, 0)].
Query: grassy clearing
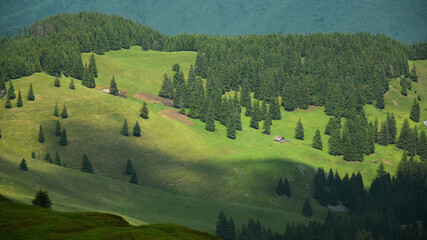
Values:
[(238, 176)]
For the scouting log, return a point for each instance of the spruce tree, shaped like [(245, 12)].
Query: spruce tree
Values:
[(30, 95), (275, 109), (48, 158), (248, 111), (58, 129), (113, 88), (287, 188), (133, 178), (415, 111), (376, 133), (63, 138), (64, 113), (370, 148), (136, 130), (144, 111), (405, 136), (92, 66), (86, 165), (56, 83), (11, 91), (56, 111), (72, 86), (288, 97), (57, 160), (267, 124), (299, 130), (19, 102), (42, 199), (317, 140), (403, 91), (383, 135), (129, 167), (379, 103), (307, 211), (231, 127), (279, 188), (263, 112), (8, 104), (33, 155), (422, 146), (255, 116), (391, 128), (245, 94), (166, 85), (23, 165), (413, 76), (335, 143), (221, 226), (210, 121), (125, 129), (41, 134)]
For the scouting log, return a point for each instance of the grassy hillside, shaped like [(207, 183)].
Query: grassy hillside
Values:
[(402, 20), (237, 176), (21, 221)]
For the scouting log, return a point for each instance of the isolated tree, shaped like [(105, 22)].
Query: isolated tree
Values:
[(8, 104), (125, 129), (11, 91), (267, 124), (63, 139), (64, 113), (57, 160), (86, 165), (19, 102), (23, 165), (144, 111), (41, 134), (56, 111), (129, 167), (299, 130), (72, 86), (33, 155), (57, 83), (307, 210), (287, 188), (317, 140), (136, 130), (42, 199), (58, 129), (134, 178), (279, 188), (113, 88), (415, 111), (30, 95), (92, 66), (48, 158)]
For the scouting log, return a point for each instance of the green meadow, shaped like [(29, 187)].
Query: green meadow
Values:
[(187, 175)]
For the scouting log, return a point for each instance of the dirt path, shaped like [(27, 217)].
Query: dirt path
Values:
[(174, 114), (151, 98)]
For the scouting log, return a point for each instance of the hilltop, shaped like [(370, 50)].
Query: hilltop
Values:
[(403, 20)]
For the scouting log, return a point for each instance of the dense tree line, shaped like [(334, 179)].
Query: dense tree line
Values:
[(417, 51)]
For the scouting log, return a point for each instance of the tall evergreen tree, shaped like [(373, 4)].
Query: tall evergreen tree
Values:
[(201, 66), (56, 111), (317, 140), (30, 95), (370, 148), (11, 91), (403, 91), (267, 124), (113, 88), (405, 136), (263, 111), (221, 226), (57, 159), (42, 199), (376, 133), (133, 178), (167, 88), (275, 109), (415, 111), (92, 66), (299, 130), (287, 188), (288, 97), (391, 128), (422, 146), (279, 188), (56, 82), (231, 126), (19, 102), (379, 103), (86, 165), (383, 136), (210, 121), (125, 129), (72, 86), (8, 104), (63, 138), (41, 134), (23, 165), (58, 129), (255, 116), (335, 143), (144, 111), (307, 211), (248, 111), (64, 113), (129, 167), (413, 76), (136, 130)]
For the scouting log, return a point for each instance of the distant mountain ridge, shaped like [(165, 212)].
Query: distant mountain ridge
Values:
[(403, 20)]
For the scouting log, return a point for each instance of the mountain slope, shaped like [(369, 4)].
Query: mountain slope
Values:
[(403, 20)]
